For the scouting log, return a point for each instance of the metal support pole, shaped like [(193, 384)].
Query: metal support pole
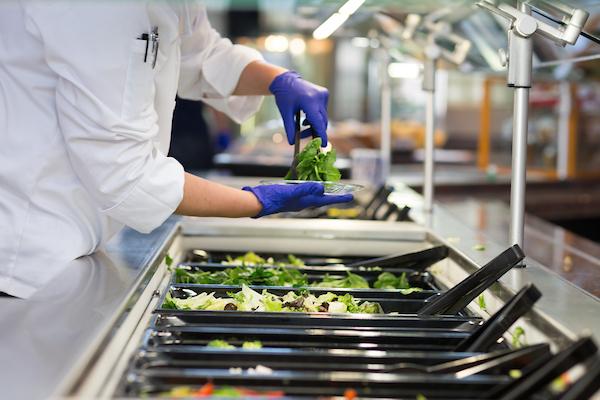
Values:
[(563, 132), (519, 166), (386, 120), (429, 88), (519, 77)]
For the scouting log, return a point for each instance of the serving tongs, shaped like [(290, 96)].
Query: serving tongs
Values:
[(503, 360), (528, 385), (458, 297), (418, 260), (487, 335), (298, 134), (492, 329)]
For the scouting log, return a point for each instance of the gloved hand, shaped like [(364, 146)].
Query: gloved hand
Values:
[(292, 94), (280, 198)]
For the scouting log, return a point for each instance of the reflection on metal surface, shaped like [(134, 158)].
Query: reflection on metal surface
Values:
[(56, 331)]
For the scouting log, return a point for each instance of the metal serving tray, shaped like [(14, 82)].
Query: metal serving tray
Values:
[(312, 338), (317, 320), (407, 304), (363, 294), (366, 385), (152, 354)]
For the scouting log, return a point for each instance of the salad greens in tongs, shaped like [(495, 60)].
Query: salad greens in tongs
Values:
[(312, 163)]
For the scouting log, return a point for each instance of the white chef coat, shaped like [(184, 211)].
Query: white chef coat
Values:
[(85, 123)]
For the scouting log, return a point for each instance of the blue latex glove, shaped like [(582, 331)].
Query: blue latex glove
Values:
[(280, 198), (292, 94)]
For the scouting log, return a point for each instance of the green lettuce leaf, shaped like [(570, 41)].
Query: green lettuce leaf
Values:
[(313, 165)]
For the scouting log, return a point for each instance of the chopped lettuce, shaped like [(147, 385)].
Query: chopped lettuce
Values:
[(387, 280), (223, 344), (518, 337), (256, 344), (220, 344), (481, 302), (295, 261), (351, 281), (250, 300), (251, 259)]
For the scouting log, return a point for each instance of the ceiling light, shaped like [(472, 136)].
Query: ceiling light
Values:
[(332, 23)]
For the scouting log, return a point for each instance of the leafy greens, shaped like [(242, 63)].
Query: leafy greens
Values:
[(259, 276), (352, 281), (253, 259), (250, 300), (280, 276), (314, 165), (223, 344)]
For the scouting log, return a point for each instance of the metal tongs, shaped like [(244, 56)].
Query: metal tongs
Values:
[(298, 134)]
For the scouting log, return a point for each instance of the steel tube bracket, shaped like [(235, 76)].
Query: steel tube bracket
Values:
[(519, 58)]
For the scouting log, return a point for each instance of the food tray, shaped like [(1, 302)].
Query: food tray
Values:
[(366, 385), (407, 304), (320, 320), (312, 338), (419, 279), (418, 260)]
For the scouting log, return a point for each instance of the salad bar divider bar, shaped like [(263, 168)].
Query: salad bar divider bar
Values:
[(233, 325)]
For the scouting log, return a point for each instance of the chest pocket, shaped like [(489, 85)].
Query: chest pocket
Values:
[(138, 96)]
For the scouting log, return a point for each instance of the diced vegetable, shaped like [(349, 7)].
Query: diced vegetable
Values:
[(209, 390), (481, 302), (518, 337), (250, 300)]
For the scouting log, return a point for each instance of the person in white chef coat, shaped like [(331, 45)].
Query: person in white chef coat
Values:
[(87, 91)]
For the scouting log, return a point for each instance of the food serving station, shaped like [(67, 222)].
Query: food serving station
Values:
[(187, 312)]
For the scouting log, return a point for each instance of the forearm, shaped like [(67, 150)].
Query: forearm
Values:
[(256, 78), (203, 198)]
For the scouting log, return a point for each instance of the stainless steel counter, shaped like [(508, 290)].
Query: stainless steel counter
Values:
[(57, 331), (573, 308)]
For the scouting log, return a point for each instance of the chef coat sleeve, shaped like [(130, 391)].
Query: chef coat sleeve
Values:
[(211, 67), (104, 103)]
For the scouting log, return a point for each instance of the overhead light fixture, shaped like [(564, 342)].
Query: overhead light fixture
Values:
[(336, 20), (404, 70)]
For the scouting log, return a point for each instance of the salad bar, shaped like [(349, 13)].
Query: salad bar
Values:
[(277, 325), (215, 308)]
